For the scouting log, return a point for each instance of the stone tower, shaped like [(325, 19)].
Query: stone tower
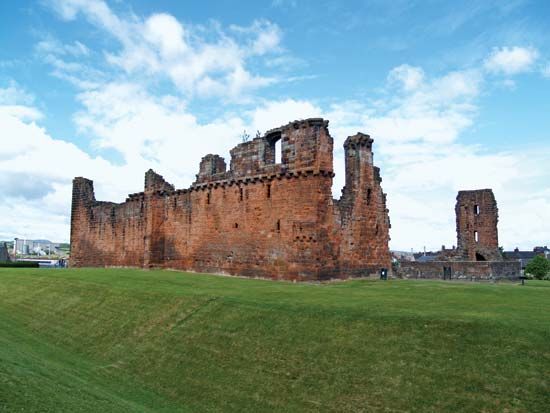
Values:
[(364, 215), (476, 225)]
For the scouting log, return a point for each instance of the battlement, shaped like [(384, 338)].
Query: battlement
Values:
[(359, 139)]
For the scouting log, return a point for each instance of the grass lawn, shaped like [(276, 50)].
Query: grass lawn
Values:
[(119, 340)]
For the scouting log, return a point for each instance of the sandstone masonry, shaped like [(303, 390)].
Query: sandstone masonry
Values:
[(259, 218)]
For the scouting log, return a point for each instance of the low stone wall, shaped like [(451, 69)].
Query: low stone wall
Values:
[(460, 270)]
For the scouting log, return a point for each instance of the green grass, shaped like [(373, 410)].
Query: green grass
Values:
[(95, 340)]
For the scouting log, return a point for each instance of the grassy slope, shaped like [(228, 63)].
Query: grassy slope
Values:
[(129, 340)]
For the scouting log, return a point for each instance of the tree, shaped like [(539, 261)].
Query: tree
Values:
[(538, 267)]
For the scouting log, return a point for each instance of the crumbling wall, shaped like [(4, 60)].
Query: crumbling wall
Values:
[(105, 233), (361, 213), (259, 218), (460, 270)]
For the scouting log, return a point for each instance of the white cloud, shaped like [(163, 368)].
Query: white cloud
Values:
[(97, 12), (153, 131), (546, 70), (36, 171), (164, 31), (267, 36), (434, 110), (51, 45), (511, 60), (14, 95), (408, 77), (276, 113), (198, 63), (21, 112)]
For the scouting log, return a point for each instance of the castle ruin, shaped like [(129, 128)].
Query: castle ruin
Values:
[(261, 217)]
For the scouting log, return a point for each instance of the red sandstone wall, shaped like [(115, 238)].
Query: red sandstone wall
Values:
[(104, 233), (214, 230), (257, 219)]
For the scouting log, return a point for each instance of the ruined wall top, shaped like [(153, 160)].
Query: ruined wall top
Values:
[(212, 167), (359, 139), (83, 190), (155, 182), (299, 145)]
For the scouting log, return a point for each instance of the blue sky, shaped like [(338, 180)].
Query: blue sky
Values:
[(455, 94)]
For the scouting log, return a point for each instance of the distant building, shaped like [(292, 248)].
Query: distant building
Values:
[(402, 255), (526, 256), (40, 247)]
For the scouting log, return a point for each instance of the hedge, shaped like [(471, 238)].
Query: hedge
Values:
[(19, 264)]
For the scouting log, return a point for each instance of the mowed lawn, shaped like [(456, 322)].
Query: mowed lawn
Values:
[(120, 340)]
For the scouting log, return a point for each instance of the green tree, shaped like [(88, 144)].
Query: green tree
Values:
[(538, 267)]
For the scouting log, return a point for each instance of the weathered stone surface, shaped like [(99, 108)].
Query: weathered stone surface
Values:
[(259, 218), (476, 225), (460, 270)]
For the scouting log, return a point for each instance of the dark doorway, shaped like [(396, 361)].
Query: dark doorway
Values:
[(447, 273), (480, 257)]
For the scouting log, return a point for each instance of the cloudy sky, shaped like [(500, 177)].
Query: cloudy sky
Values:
[(455, 94)]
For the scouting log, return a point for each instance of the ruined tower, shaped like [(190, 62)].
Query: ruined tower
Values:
[(363, 213), (476, 225), (271, 214)]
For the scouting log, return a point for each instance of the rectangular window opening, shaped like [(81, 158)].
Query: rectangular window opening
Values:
[(273, 149), (278, 225), (268, 190), (240, 194), (278, 151), (476, 236), (476, 209), (369, 193)]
